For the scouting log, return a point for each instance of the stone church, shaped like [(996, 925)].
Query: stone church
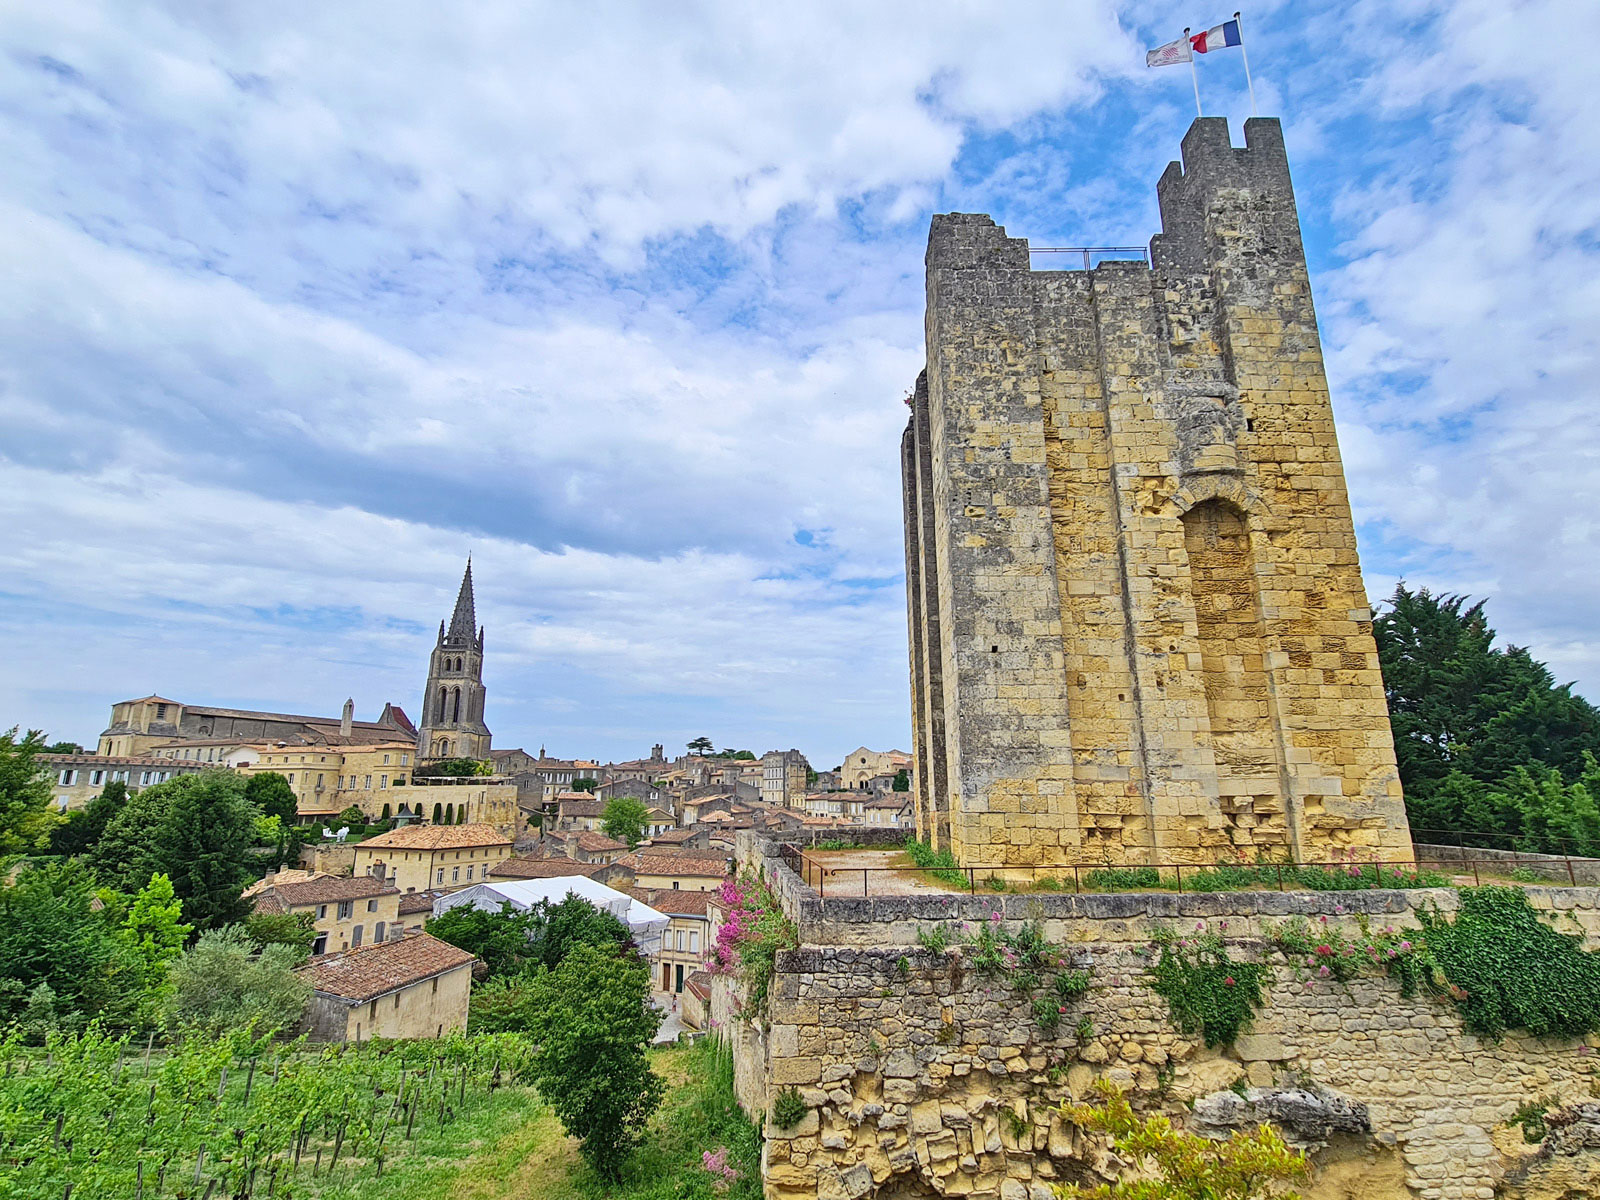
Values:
[(1138, 626), (453, 698)]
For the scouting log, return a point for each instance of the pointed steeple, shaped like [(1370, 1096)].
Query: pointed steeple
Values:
[(464, 621)]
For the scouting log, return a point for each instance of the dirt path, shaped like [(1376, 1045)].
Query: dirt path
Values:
[(836, 881)]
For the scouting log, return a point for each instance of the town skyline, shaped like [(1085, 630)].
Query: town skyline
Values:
[(649, 372)]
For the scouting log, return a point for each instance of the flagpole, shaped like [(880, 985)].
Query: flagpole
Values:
[(1194, 74), (1246, 54)]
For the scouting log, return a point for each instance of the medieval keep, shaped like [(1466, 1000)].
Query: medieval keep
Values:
[(1138, 627), (452, 700)]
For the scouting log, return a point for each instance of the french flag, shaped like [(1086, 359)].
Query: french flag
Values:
[(1215, 38)]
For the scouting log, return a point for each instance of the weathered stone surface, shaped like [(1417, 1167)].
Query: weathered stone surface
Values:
[(1137, 621)]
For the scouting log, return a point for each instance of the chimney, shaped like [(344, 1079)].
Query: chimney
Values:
[(347, 718)]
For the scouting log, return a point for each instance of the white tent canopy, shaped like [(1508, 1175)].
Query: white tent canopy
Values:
[(644, 922)]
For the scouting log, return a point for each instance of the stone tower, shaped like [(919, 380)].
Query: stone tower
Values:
[(452, 702), (1138, 627)]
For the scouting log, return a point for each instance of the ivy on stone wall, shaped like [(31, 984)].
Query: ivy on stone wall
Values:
[(1208, 993), (1506, 969)]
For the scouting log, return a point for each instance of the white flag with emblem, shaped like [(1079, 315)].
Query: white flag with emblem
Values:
[(1174, 52)]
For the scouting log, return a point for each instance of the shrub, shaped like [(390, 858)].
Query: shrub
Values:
[(222, 984), (1207, 992), (940, 864), (748, 942), (788, 1109), (1507, 969), (1178, 1165)]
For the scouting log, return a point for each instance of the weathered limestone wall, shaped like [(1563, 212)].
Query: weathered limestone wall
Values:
[(1138, 624), (926, 1077)]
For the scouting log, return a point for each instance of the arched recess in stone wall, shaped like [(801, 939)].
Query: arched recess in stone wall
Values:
[(1224, 587)]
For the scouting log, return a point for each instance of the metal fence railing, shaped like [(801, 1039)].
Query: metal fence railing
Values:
[(1091, 253), (840, 880)]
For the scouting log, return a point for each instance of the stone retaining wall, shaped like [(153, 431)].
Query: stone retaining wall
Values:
[(924, 1076)]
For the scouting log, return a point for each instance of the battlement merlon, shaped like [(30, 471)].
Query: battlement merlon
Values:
[(1212, 169), (968, 240)]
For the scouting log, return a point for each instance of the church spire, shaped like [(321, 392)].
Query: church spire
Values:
[(464, 621)]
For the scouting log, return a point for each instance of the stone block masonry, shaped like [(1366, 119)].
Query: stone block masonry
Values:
[(926, 1077), (1138, 630)]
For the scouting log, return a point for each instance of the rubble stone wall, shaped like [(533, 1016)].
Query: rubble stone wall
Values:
[(925, 1076)]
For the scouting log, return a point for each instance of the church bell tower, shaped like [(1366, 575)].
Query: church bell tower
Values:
[(452, 702)]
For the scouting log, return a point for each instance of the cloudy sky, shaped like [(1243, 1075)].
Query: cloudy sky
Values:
[(304, 303)]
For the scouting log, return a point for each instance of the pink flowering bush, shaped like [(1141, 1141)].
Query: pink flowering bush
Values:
[(748, 941)]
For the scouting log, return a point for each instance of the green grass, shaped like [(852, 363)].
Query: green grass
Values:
[(1239, 877), (512, 1146), (941, 865)]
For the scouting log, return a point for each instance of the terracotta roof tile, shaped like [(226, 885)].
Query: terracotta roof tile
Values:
[(371, 971), (327, 889), (594, 843), (526, 866), (412, 903), (672, 862), (675, 902), (437, 837)]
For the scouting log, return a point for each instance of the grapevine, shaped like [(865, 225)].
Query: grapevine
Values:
[(96, 1115)]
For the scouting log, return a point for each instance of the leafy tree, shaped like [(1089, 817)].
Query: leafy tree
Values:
[(738, 755), (83, 827), (1466, 714), (153, 933), (51, 936), (295, 930), (902, 780), (222, 983), (585, 785), (512, 943), (1183, 1166), (353, 816), (454, 768), (124, 855), (506, 941), (270, 792), (205, 841), (593, 1023), (701, 745), (199, 830), (625, 818), (62, 748), (25, 817)]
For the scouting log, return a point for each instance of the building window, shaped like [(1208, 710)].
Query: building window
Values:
[(372, 1011), (694, 941), (346, 907), (320, 946), (469, 874), (377, 936), (386, 760), (372, 906), (319, 778), (455, 874), (369, 783), (441, 874), (96, 776), (383, 781), (291, 776), (322, 911), (405, 760)]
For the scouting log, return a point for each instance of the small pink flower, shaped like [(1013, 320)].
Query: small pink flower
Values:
[(1323, 971), (1228, 981), (1323, 918), (1405, 945)]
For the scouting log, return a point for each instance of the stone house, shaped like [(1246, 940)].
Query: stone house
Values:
[(785, 776), (137, 726), (577, 812), (328, 779), (684, 943), (412, 987), (347, 911), (861, 765), (417, 858), (76, 779)]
